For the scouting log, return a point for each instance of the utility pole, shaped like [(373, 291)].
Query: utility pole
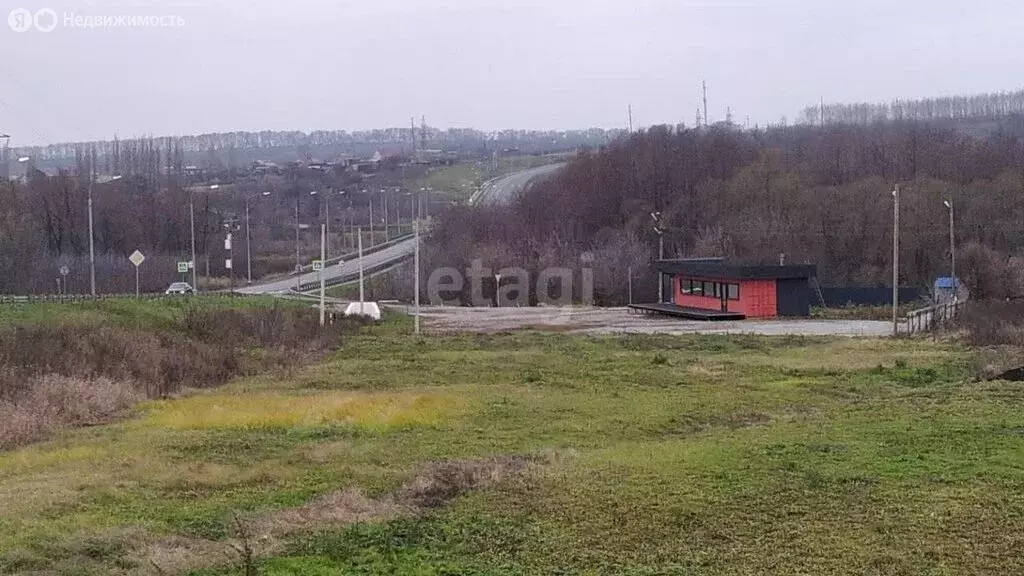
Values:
[(387, 223), (298, 265), (416, 273), (327, 223), (952, 252), (248, 248), (231, 255), (371, 220), (92, 239), (323, 264), (630, 118), (896, 261), (192, 218), (704, 86), (660, 231), (362, 297), (821, 111), (412, 131)]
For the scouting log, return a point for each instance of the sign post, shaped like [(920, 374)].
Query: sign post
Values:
[(137, 258), (64, 271)]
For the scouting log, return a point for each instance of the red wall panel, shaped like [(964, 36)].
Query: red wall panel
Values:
[(757, 297)]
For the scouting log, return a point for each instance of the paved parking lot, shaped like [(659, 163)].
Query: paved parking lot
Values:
[(620, 320)]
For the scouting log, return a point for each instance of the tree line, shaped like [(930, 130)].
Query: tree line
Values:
[(996, 105), (799, 194), (142, 196)]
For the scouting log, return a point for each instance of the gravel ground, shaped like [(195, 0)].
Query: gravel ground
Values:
[(620, 320)]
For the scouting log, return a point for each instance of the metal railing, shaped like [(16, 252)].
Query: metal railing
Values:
[(930, 318), (73, 298), (308, 268)]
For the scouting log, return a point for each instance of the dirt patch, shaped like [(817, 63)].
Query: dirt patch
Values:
[(434, 486), (440, 483), (686, 425), (334, 509), (747, 420)]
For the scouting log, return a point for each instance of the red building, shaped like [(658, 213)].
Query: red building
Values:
[(716, 289)]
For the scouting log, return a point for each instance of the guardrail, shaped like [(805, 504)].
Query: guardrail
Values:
[(308, 268), (367, 271), (73, 298), (930, 318), (69, 298)]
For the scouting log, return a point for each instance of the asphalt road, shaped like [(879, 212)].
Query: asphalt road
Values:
[(340, 273), (503, 190), (499, 191)]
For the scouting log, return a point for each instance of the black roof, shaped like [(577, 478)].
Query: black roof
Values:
[(718, 268)]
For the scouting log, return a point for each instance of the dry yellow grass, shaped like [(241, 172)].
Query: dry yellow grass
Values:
[(274, 410)]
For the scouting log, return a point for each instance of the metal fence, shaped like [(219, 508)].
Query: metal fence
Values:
[(839, 296)]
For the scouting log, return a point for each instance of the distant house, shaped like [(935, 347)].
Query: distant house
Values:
[(948, 290)]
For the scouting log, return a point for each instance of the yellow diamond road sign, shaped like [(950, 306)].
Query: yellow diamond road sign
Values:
[(137, 258)]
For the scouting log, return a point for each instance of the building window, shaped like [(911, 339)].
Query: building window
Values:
[(720, 290)]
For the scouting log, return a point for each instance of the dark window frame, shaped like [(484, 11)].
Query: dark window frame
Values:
[(709, 289)]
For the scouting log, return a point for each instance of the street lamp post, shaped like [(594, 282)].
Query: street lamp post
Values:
[(384, 206), (192, 219), (952, 251), (327, 225), (92, 235), (896, 260), (92, 240), (248, 239), (298, 263), (656, 216)]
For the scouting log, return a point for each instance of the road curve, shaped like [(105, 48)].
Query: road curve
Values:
[(340, 273), (503, 190), (496, 192)]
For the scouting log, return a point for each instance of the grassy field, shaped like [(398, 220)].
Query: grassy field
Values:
[(151, 312), (461, 181), (634, 455)]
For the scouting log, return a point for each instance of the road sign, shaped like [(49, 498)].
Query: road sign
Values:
[(183, 267), (64, 270), (137, 258), (317, 265), (227, 241), (227, 264)]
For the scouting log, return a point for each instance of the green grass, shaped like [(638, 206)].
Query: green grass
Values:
[(674, 455), (157, 312)]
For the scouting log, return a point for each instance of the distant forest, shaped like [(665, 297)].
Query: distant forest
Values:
[(803, 194), (979, 106), (238, 149)]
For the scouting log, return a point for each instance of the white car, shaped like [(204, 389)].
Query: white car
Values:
[(180, 288)]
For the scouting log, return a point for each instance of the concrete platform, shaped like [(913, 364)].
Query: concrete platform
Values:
[(684, 312)]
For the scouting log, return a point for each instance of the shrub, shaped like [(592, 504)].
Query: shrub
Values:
[(994, 323), (78, 373), (51, 402)]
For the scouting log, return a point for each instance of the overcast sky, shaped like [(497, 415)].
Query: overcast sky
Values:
[(488, 64)]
